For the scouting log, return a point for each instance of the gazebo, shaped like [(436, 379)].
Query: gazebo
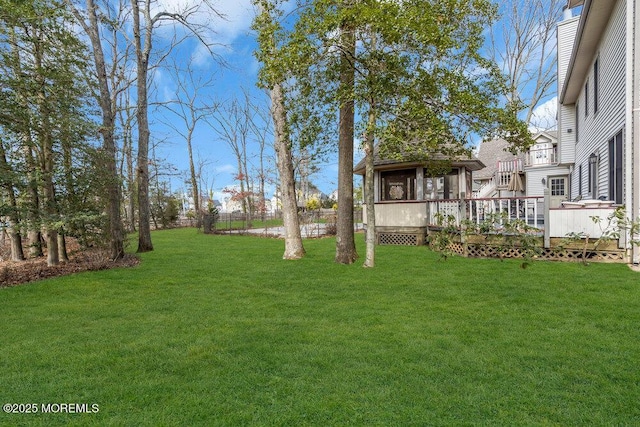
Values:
[(403, 189)]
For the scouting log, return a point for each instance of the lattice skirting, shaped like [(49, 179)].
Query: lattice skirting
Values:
[(490, 251), (397, 239)]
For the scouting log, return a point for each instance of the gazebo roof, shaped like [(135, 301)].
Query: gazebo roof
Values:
[(379, 163)]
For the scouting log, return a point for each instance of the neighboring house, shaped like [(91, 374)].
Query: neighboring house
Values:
[(538, 168), (598, 94), (403, 189), (544, 170), (229, 205), (189, 205), (304, 193), (500, 165)]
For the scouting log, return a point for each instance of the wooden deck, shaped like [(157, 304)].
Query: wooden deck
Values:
[(564, 233)]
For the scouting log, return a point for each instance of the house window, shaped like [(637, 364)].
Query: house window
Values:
[(441, 187), (615, 168), (593, 175), (595, 86), (557, 186), (580, 180), (398, 185), (586, 99)]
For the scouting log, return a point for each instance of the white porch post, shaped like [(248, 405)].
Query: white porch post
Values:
[(420, 183)]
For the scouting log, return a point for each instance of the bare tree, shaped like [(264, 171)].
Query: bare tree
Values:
[(523, 44), (143, 42), (231, 122), (263, 133), (126, 118), (190, 111)]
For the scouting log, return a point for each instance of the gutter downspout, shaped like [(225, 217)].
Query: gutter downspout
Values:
[(633, 148)]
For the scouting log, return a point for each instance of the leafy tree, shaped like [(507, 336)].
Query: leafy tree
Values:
[(165, 207), (45, 92), (416, 75), (272, 39)]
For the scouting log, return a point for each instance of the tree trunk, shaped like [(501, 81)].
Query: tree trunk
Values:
[(249, 193), (131, 201), (128, 175), (34, 234), (142, 57), (195, 191), (34, 242), (17, 253), (293, 248), (345, 242), (51, 239), (370, 192), (53, 258), (62, 248)]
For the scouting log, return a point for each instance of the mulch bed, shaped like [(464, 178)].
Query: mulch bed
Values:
[(18, 272)]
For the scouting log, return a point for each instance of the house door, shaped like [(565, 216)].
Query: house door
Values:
[(558, 190)]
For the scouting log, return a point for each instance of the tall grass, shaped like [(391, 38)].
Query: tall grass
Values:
[(219, 330)]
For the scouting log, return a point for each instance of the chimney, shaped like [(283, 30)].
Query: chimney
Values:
[(566, 13)]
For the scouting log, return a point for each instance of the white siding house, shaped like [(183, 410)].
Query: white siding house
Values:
[(598, 69), (566, 34)]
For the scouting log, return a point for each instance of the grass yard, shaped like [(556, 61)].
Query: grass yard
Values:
[(219, 330)]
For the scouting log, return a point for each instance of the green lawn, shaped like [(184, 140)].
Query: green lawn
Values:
[(219, 330)]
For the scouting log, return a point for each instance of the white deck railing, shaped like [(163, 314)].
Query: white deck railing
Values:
[(542, 157), (551, 223), (528, 209)]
